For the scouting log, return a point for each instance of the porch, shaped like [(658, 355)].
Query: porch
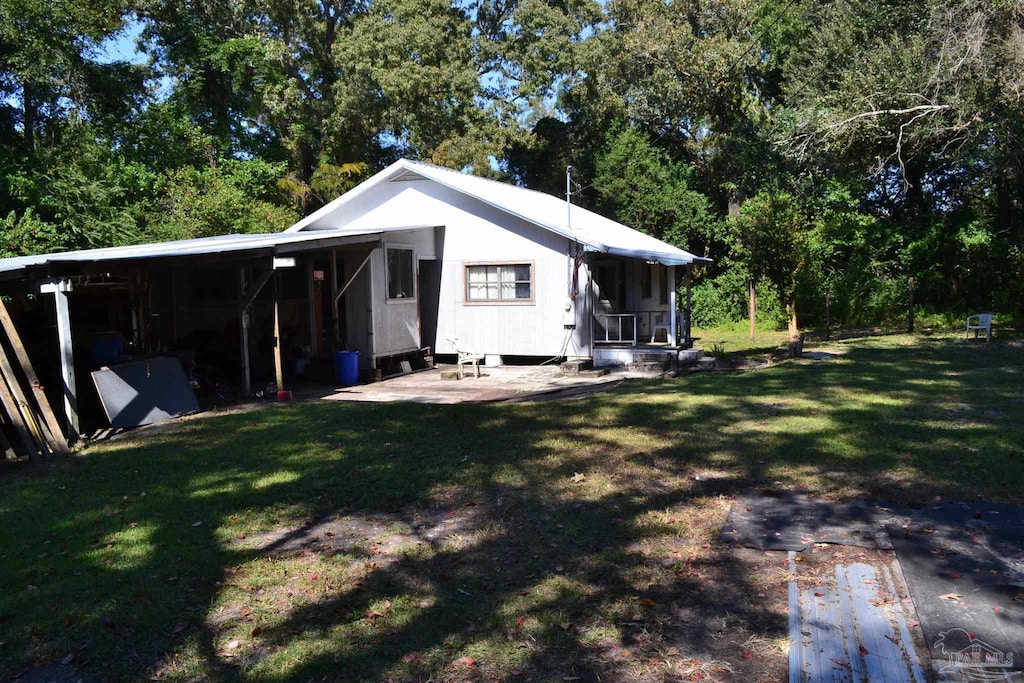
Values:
[(637, 315)]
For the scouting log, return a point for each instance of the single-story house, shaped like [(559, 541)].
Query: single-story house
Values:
[(417, 260), (472, 264)]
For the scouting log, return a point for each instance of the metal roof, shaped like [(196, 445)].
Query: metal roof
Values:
[(277, 243), (586, 227)]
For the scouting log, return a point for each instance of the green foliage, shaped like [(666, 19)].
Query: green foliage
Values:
[(722, 300), (826, 149), (643, 187), (231, 197), (717, 350)]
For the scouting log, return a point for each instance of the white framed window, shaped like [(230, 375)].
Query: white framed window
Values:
[(503, 283), (401, 273)]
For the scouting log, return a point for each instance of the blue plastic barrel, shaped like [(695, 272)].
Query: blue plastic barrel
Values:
[(346, 368)]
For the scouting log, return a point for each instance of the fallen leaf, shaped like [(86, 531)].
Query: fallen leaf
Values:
[(863, 650), (412, 658), (746, 655), (233, 645), (179, 627), (951, 596), (647, 602), (466, 662), (578, 478), (954, 575)]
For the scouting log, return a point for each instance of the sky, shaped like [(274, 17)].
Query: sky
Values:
[(122, 46)]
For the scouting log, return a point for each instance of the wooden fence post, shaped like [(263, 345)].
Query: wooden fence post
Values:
[(752, 308), (910, 305)]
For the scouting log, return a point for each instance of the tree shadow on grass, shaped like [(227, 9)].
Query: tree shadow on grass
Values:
[(125, 562)]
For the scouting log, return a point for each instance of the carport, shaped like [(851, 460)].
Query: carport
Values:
[(252, 299)]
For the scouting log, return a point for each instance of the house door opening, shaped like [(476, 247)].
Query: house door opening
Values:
[(429, 286)]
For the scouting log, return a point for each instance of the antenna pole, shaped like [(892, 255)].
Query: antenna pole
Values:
[(568, 197)]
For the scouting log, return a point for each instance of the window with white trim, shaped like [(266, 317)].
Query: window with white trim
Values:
[(499, 282), (401, 274)]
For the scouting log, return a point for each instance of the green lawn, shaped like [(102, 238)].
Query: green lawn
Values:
[(571, 540)]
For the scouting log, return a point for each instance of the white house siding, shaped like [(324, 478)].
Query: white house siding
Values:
[(474, 232)]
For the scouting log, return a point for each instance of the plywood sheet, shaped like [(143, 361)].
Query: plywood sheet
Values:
[(144, 392)]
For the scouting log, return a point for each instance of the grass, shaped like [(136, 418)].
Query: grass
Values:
[(736, 340), (572, 540)]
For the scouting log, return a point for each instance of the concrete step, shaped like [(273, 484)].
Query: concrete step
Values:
[(704, 364), (690, 356), (595, 372), (649, 367), (652, 356), (575, 367)]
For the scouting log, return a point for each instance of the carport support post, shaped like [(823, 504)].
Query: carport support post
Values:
[(314, 346), (278, 366), (335, 327), (246, 377), (60, 290)]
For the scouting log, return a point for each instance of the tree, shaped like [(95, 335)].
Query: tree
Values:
[(776, 240), (644, 188)]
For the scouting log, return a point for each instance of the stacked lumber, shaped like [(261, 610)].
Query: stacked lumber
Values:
[(28, 425)]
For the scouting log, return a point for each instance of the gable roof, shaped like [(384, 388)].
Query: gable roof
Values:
[(593, 230)]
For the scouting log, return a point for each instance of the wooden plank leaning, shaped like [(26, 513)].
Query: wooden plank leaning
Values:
[(30, 446), (51, 425)]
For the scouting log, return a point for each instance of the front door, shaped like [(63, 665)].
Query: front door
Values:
[(611, 283)]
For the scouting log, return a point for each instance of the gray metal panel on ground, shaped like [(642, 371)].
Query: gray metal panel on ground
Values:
[(850, 632), (144, 392), (791, 521)]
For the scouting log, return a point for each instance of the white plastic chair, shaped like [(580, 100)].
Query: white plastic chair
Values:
[(661, 321), (983, 322), (466, 358)]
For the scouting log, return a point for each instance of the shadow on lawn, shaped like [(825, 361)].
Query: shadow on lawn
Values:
[(115, 562)]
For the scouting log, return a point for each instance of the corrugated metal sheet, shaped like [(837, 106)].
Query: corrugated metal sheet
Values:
[(850, 631), (278, 242), (586, 227)]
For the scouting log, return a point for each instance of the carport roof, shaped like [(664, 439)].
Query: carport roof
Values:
[(272, 243)]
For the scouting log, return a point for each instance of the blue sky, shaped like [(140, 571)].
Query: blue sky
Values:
[(122, 46)]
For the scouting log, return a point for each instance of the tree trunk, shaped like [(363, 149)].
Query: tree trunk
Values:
[(790, 302), (28, 121)]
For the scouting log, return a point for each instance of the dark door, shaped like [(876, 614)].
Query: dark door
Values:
[(430, 298)]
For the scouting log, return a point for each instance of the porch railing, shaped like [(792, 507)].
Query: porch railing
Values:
[(623, 328), (615, 328)]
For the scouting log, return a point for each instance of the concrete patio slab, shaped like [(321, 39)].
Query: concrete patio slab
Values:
[(504, 383)]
